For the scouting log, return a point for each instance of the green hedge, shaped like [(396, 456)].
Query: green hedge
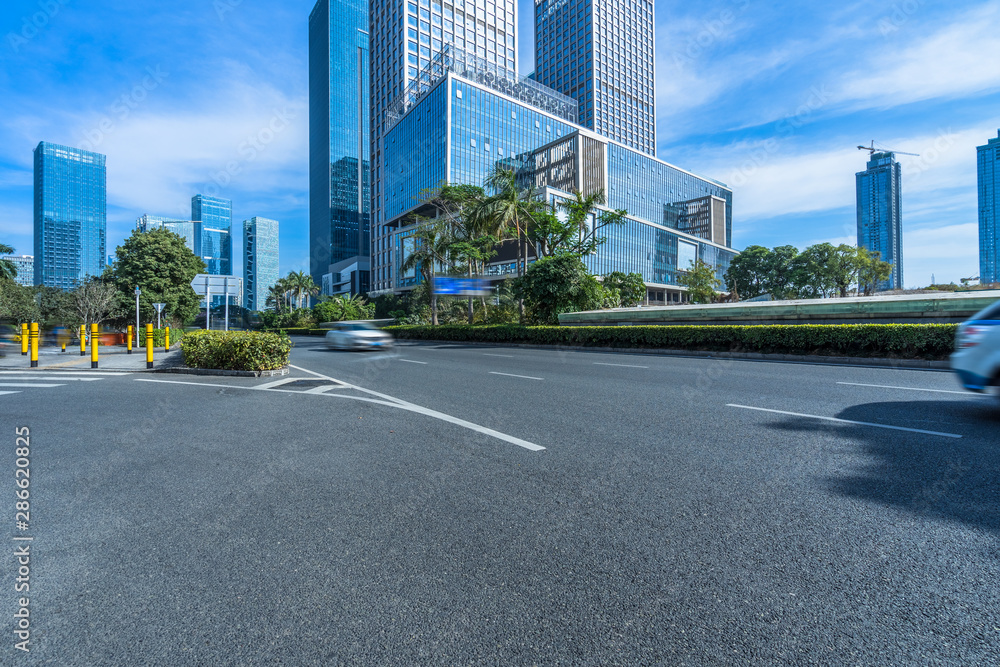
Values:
[(236, 350), (159, 337), (302, 331), (905, 341)]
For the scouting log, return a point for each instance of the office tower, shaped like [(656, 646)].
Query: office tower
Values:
[(600, 52), (880, 227), (988, 158), (260, 261), (213, 238), (465, 122), (25, 266), (183, 228), (339, 143), (70, 215), (405, 37)]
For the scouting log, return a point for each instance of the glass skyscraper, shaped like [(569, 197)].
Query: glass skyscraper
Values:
[(880, 226), (25, 266), (405, 36), (70, 205), (260, 260), (988, 159), (183, 228), (339, 144), (600, 52), (213, 240)]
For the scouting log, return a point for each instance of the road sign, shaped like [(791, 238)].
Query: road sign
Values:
[(159, 309), (205, 284)]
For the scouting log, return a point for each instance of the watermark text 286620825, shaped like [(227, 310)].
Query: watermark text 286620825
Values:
[(22, 550)]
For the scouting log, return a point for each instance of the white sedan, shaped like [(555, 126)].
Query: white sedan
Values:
[(357, 336), (977, 354)]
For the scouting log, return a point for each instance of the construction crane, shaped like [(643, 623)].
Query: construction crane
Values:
[(871, 149)]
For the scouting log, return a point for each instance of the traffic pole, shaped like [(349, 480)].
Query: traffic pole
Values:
[(83, 339), (34, 344), (93, 345), (24, 339), (128, 339), (149, 345), (166, 339)]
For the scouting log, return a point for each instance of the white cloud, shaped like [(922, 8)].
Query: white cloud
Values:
[(948, 253), (960, 59)]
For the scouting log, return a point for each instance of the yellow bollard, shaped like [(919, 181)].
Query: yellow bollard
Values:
[(128, 339), (149, 346), (24, 339), (166, 339), (83, 339), (93, 345), (34, 344)]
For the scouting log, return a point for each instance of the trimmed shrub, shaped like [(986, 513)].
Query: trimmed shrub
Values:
[(159, 337), (904, 341), (236, 350)]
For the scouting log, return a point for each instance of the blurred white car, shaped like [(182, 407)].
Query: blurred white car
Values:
[(977, 351), (357, 336)]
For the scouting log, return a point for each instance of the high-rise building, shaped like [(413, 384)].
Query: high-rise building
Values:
[(25, 267), (600, 53), (183, 228), (70, 215), (880, 227), (988, 158), (406, 35), (260, 261), (213, 240), (339, 143)]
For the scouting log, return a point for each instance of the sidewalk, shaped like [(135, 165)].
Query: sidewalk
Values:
[(110, 358)]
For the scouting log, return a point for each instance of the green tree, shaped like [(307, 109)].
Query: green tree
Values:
[(630, 288), (302, 286), (8, 271), (814, 272), (584, 216), (162, 267), (56, 307), (17, 303), (432, 248), (343, 307), (872, 271), (750, 273), (559, 284), (95, 300), (781, 272), (701, 282)]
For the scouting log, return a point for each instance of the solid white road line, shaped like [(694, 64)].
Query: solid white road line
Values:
[(511, 375), (61, 373), (505, 356), (598, 363), (29, 384), (32, 376), (845, 421), (411, 361), (9, 392), (936, 391)]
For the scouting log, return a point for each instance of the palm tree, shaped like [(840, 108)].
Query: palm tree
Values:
[(302, 285), (433, 242), (7, 268)]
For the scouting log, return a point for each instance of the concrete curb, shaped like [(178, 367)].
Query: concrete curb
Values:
[(902, 364), (213, 371)]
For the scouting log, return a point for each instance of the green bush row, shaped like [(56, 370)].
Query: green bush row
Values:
[(907, 341), (302, 331), (159, 337), (236, 350)]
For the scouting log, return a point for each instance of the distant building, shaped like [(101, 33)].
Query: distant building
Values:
[(989, 211), (213, 240), (339, 144), (183, 228), (70, 190), (25, 265), (880, 226), (601, 55), (260, 261)]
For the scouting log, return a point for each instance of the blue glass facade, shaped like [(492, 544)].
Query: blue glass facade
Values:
[(183, 228), (260, 261), (339, 141), (460, 129), (213, 240), (25, 267), (988, 163), (600, 52), (70, 210), (880, 227)]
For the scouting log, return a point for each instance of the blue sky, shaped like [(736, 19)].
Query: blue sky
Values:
[(771, 98)]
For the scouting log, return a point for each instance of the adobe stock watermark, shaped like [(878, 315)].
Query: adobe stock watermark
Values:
[(786, 127), (248, 150), (711, 31), (122, 107), (223, 7), (32, 24), (901, 13)]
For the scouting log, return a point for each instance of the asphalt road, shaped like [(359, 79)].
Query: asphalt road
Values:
[(449, 504)]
